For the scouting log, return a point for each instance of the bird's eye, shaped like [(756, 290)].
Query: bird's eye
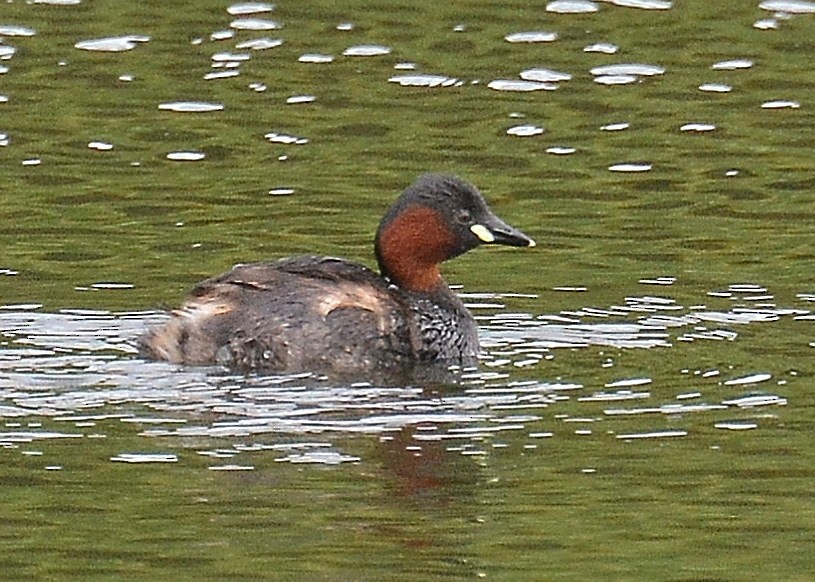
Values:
[(464, 217)]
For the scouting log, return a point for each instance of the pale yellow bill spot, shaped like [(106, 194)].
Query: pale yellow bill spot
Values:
[(483, 233)]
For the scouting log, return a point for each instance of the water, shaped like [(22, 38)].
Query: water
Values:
[(642, 410)]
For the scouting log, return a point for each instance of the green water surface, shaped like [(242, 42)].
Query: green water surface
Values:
[(717, 208)]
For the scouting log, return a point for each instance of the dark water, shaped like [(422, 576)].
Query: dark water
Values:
[(643, 409)]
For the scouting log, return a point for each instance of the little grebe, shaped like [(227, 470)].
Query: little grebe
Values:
[(335, 317)]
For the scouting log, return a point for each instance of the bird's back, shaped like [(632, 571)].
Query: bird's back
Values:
[(300, 314)]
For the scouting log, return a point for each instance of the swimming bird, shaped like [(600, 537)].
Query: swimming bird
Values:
[(335, 317)]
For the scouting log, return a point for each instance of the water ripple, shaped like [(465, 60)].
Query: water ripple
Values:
[(653, 435), (315, 58), (697, 127), (630, 167), (259, 44), (572, 7), (285, 138), (615, 126), (366, 50), (788, 6), (221, 75), (227, 57), (732, 65), (298, 99), (186, 156), (221, 35), (531, 37), (602, 47), (520, 86), (615, 79), (766, 24), (255, 24), (644, 4), (244, 8), (112, 44), (10, 30), (145, 458), (425, 81), (191, 106), (715, 88), (544, 75), (780, 104), (628, 69), (78, 367), (525, 130)]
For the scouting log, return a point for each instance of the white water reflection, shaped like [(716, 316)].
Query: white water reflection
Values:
[(367, 50), (572, 7), (281, 191), (697, 127), (602, 47), (297, 99), (788, 6), (255, 24), (644, 4), (101, 146), (191, 106), (112, 44), (285, 138), (544, 75), (221, 75), (780, 104), (654, 435), (145, 458), (259, 44), (525, 130), (11, 30), (244, 8), (531, 37), (630, 167), (186, 156), (561, 150), (766, 24), (615, 126), (315, 58), (520, 86), (751, 379), (227, 57), (658, 281), (615, 79), (628, 69), (219, 35), (752, 401), (738, 425), (732, 65), (425, 81), (715, 88)]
